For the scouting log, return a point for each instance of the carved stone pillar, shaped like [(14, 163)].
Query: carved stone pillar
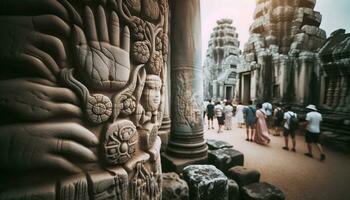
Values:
[(343, 92), (215, 89), (330, 91), (186, 144), (221, 91), (164, 130), (307, 62), (337, 91)]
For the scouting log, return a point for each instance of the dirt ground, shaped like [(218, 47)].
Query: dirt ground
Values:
[(298, 176)]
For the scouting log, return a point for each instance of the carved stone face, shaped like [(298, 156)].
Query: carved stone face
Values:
[(151, 93)]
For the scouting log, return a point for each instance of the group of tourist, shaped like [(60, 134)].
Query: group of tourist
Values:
[(261, 118)]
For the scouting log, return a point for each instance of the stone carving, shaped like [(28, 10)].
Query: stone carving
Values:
[(82, 92), (190, 114), (151, 96), (120, 142), (145, 184)]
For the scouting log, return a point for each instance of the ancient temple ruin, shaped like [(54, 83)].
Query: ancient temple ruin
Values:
[(280, 57), (221, 62), (288, 59)]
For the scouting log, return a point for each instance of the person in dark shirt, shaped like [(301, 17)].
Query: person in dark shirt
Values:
[(250, 118), (210, 114)]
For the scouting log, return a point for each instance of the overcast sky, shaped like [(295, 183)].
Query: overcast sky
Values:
[(336, 14)]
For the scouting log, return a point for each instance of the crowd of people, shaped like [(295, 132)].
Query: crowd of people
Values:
[(263, 120)]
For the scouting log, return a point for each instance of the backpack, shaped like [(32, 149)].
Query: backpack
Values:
[(280, 115), (293, 122)]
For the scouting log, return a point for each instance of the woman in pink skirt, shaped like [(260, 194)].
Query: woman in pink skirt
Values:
[(262, 133)]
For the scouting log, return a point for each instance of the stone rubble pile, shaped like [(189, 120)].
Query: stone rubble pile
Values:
[(222, 178)]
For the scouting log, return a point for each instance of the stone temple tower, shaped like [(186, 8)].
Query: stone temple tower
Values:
[(221, 61), (281, 59)]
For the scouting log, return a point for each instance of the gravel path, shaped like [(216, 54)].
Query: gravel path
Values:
[(299, 177)]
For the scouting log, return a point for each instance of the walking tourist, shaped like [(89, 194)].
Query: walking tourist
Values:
[(205, 104), (267, 109), (312, 135), (250, 119), (210, 114), (290, 127), (239, 115), (219, 113), (261, 134), (278, 116), (228, 110)]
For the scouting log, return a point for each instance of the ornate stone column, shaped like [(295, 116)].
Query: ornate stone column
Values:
[(215, 89), (186, 144), (221, 91)]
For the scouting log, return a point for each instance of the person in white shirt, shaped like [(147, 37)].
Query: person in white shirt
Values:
[(312, 134), (288, 129), (219, 113), (239, 115)]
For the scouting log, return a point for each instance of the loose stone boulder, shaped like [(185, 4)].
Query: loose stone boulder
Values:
[(244, 176), (261, 191), (224, 159), (206, 182), (233, 190), (174, 187), (218, 144)]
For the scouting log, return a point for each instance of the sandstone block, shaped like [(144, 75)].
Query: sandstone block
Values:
[(217, 144), (174, 187), (244, 176), (206, 182), (233, 190), (224, 159)]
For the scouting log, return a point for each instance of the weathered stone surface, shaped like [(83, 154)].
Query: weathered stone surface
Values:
[(224, 159), (174, 187), (233, 190), (91, 77), (244, 176), (206, 182), (186, 139), (261, 191), (218, 144), (222, 59), (282, 29)]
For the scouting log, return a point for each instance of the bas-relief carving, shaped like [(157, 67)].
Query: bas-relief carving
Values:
[(83, 82), (187, 101)]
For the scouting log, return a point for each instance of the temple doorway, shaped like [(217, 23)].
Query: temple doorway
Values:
[(245, 89)]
